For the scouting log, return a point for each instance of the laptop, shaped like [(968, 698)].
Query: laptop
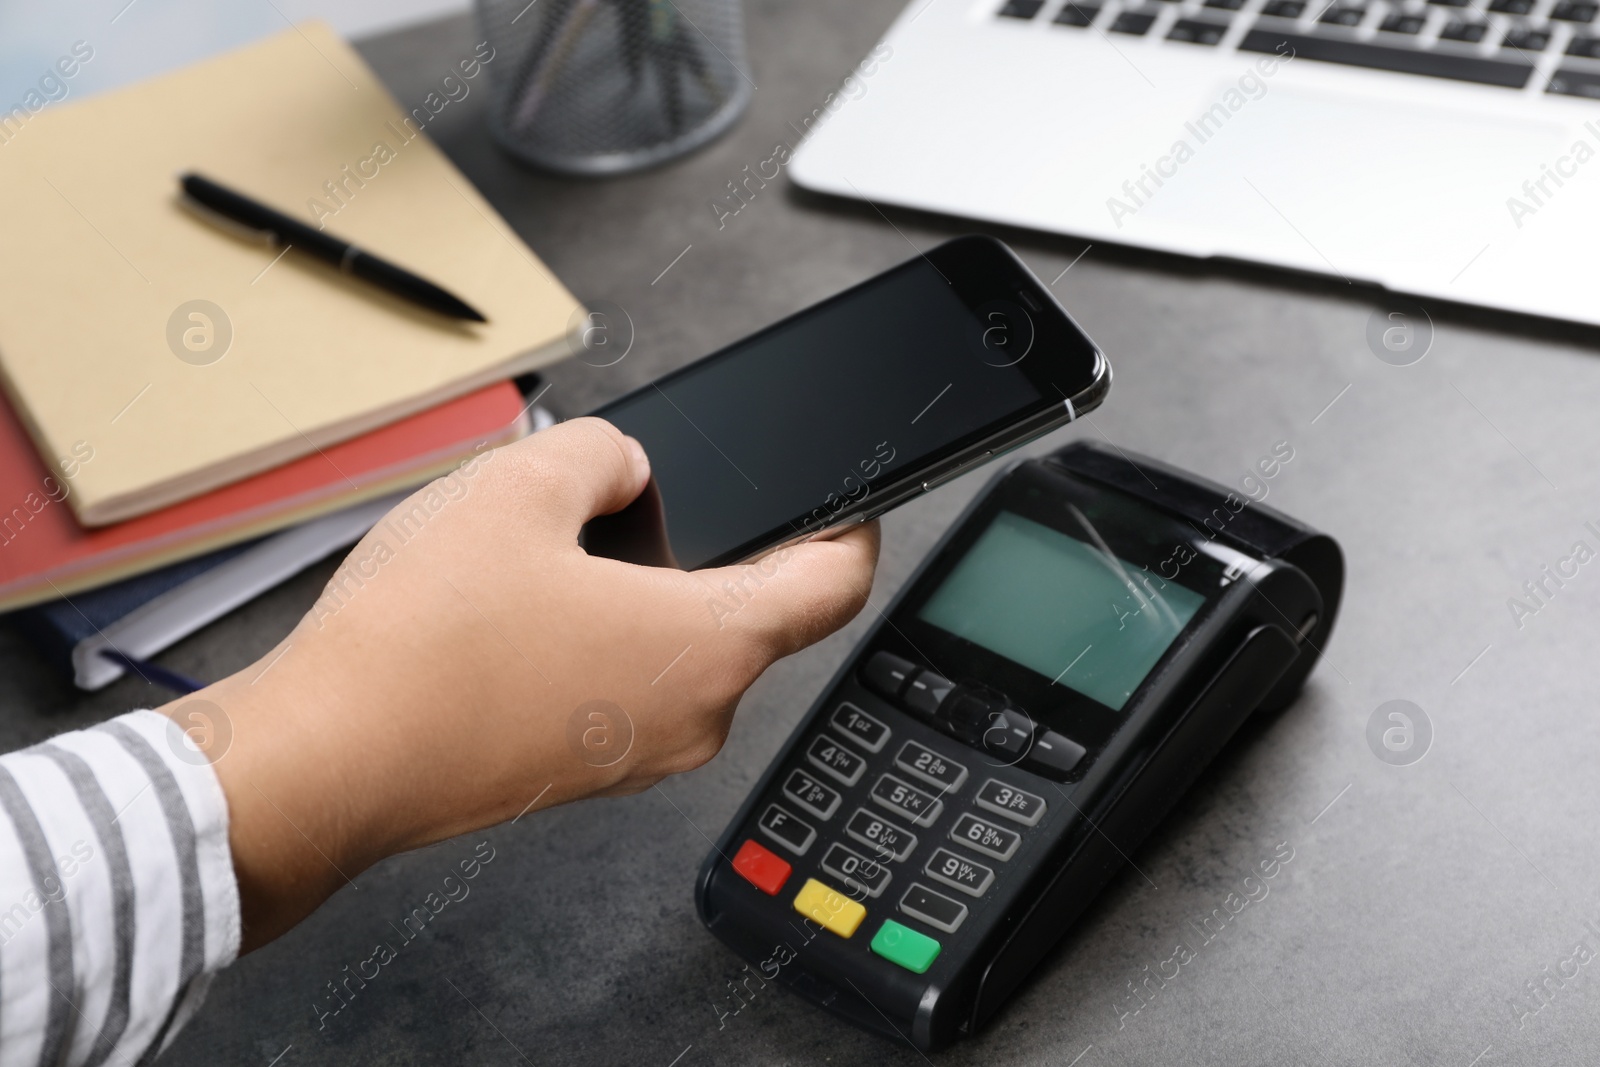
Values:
[(1446, 149)]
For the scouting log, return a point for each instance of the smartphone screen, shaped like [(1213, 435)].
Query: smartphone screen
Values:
[(789, 430)]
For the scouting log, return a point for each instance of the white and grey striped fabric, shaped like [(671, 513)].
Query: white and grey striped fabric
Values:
[(117, 896)]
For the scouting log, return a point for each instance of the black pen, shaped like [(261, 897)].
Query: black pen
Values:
[(287, 232)]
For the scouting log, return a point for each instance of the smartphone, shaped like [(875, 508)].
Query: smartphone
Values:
[(846, 409)]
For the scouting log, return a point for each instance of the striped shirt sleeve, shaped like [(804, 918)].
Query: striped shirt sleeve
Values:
[(117, 896)]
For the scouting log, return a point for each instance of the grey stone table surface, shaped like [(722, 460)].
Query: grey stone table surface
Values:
[(1435, 913)]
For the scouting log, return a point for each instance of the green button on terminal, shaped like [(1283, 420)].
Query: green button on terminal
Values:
[(903, 945)]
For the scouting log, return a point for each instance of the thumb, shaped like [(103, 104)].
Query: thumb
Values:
[(579, 469), (798, 595)]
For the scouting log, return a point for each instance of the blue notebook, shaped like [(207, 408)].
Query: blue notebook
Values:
[(60, 626), (140, 616)]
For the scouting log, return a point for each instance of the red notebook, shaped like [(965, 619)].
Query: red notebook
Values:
[(45, 554)]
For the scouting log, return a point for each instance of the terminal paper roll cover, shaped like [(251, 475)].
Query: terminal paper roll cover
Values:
[(1256, 528)]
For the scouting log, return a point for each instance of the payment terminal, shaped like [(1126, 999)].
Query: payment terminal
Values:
[(1057, 672)]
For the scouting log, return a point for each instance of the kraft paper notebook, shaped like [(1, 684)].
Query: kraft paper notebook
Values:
[(99, 254)]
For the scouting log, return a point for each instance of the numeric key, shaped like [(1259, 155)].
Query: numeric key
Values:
[(920, 761), (958, 872), (1015, 804), (854, 869), (860, 727), (838, 761), (983, 836), (903, 798), (810, 794), (886, 840)]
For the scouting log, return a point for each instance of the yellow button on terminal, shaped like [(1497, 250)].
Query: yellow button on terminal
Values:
[(829, 907)]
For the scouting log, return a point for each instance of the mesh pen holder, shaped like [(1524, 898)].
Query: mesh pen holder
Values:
[(595, 87)]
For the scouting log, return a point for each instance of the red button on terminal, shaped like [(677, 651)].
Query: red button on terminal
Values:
[(761, 868)]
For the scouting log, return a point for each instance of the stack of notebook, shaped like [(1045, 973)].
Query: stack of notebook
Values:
[(129, 470)]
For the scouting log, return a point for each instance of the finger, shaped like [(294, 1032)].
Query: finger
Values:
[(579, 469), (798, 595)]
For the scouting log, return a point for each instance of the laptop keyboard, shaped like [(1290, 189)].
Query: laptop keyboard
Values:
[(1553, 45)]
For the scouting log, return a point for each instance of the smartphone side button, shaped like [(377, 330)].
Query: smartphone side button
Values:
[(872, 511), (955, 472)]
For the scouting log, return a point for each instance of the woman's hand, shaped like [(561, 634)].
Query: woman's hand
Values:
[(469, 661)]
